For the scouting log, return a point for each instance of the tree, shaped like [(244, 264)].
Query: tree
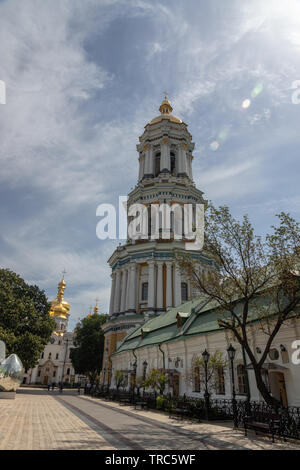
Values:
[(25, 323), (197, 372), (254, 280), (157, 380), (119, 379), (87, 355)]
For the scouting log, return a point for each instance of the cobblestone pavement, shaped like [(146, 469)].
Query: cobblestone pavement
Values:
[(38, 419)]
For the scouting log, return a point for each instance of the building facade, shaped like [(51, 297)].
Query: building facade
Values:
[(145, 280), (55, 365), (156, 320), (174, 341)]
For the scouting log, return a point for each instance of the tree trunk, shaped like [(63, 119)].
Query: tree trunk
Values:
[(273, 402)]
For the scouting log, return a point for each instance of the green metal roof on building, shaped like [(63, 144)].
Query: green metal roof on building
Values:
[(163, 328)]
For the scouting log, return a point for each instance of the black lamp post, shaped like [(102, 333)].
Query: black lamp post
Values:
[(205, 356), (231, 354)]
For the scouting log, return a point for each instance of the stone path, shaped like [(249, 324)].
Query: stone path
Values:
[(38, 419)]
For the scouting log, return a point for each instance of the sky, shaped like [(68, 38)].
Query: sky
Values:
[(82, 80)]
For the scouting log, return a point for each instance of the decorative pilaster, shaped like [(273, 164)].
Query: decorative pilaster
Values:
[(112, 293), (177, 286), (132, 289), (169, 284), (127, 301), (165, 163), (123, 291), (151, 285), (159, 286), (149, 171), (117, 292), (182, 161)]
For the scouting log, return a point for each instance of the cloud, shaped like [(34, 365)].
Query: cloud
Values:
[(83, 78)]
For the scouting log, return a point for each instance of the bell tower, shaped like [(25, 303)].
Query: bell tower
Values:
[(145, 279)]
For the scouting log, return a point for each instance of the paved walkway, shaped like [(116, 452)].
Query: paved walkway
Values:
[(38, 419)]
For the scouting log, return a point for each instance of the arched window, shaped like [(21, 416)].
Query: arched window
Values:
[(145, 291), (241, 377), (197, 379), (42, 356), (184, 292), (220, 386), (49, 355), (68, 371), (157, 164)]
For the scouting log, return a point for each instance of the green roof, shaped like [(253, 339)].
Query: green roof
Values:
[(163, 328)]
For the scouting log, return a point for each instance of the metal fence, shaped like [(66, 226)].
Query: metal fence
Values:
[(287, 418)]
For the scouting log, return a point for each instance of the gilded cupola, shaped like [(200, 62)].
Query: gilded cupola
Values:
[(59, 306), (165, 113)]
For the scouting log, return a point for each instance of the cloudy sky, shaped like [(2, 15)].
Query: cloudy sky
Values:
[(82, 80)]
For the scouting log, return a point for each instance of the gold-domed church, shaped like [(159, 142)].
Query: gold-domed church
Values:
[(55, 365)]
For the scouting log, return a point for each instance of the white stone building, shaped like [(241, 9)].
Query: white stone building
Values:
[(145, 281), (155, 319), (55, 365)]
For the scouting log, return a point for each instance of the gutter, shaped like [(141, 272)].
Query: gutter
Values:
[(163, 353)]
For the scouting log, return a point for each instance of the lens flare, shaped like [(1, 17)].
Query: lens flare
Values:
[(246, 103), (256, 90), (214, 145), (223, 134)]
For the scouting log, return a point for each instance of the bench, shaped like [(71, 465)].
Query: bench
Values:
[(262, 422), (142, 403), (181, 410), (125, 400)]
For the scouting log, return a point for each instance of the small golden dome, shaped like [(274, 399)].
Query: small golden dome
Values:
[(59, 306), (166, 113)]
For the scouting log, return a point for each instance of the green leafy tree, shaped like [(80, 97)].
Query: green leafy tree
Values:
[(197, 372), (157, 380), (25, 323), (89, 344), (257, 283), (119, 379)]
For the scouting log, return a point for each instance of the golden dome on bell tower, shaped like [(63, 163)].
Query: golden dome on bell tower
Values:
[(165, 113), (59, 306)]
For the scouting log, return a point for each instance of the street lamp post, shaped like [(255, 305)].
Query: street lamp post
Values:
[(205, 356), (231, 354)]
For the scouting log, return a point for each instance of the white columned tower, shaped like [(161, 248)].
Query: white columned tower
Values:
[(145, 279)]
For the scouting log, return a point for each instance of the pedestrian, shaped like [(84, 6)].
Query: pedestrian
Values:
[(78, 389), (53, 386), (49, 385)]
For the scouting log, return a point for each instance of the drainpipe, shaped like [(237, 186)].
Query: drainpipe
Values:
[(164, 363)]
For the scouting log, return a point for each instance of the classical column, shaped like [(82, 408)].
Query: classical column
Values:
[(123, 291), (165, 161), (189, 166), (159, 286), (117, 291), (149, 172), (151, 285), (127, 301), (169, 284), (182, 161), (132, 288), (112, 293), (141, 166), (177, 286)]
